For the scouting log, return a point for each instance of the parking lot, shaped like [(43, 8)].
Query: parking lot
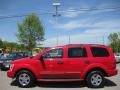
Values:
[(111, 83)]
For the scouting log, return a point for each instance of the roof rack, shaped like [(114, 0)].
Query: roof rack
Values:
[(85, 44)]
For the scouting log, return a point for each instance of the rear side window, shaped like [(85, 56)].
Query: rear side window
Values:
[(99, 52), (77, 52)]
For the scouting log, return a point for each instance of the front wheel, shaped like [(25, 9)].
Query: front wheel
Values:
[(25, 79), (95, 79)]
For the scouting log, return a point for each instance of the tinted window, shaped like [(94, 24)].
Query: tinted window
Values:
[(99, 52), (77, 52), (55, 53)]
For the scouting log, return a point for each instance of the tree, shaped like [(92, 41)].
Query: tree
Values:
[(12, 46), (21, 47), (1, 43), (30, 31), (114, 39)]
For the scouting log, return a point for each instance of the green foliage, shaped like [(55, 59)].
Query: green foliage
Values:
[(30, 31), (1, 43), (11, 46), (114, 39)]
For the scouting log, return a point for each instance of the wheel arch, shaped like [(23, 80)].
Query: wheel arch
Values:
[(96, 67), (27, 67), (26, 70)]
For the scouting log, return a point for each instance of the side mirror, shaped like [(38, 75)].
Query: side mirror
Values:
[(41, 58)]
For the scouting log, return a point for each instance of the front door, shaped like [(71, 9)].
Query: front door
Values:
[(53, 64)]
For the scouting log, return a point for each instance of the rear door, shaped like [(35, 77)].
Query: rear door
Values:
[(78, 60)]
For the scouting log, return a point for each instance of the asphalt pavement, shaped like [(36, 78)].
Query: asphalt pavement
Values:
[(112, 83)]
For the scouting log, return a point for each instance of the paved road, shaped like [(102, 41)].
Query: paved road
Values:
[(111, 83)]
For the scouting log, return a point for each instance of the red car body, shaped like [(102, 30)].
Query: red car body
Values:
[(66, 68)]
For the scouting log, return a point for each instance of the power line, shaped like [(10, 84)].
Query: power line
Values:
[(22, 15), (12, 16), (91, 9), (72, 10)]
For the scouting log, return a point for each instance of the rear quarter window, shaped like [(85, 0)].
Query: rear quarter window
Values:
[(99, 52)]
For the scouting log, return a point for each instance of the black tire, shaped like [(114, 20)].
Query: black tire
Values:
[(95, 79), (29, 78)]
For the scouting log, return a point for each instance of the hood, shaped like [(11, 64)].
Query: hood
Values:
[(22, 60)]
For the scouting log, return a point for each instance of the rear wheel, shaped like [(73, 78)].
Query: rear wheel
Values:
[(95, 79), (25, 79)]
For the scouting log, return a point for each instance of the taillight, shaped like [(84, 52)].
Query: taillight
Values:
[(113, 66)]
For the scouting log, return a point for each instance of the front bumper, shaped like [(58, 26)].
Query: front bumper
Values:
[(10, 74)]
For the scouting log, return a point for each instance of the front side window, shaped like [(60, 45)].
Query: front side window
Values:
[(99, 52), (55, 53), (77, 52)]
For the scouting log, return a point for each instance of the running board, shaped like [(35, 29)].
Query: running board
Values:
[(59, 80)]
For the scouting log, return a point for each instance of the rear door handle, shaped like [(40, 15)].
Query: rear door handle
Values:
[(59, 62)]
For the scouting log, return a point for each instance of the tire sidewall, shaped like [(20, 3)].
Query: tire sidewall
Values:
[(32, 79), (88, 79)]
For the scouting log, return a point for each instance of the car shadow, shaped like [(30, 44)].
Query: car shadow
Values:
[(14, 83), (108, 83), (61, 84)]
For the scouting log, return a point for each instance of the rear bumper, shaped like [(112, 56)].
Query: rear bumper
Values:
[(4, 67), (112, 72)]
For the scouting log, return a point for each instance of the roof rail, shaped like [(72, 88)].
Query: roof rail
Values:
[(86, 44)]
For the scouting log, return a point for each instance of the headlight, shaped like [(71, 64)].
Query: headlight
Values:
[(11, 67)]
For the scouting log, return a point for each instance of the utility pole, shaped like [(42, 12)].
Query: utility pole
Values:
[(56, 5), (103, 39), (69, 39)]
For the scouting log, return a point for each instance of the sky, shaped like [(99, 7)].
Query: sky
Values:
[(81, 21)]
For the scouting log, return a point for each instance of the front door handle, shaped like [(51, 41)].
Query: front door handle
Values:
[(59, 62), (87, 62)]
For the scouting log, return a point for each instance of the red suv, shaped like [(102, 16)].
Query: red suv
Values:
[(74, 62)]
